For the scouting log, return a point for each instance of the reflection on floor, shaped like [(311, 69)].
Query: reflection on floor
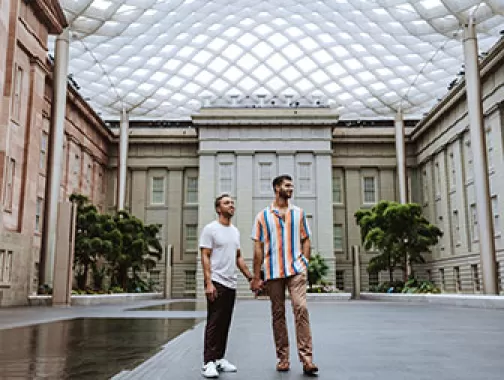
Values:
[(175, 306), (84, 348)]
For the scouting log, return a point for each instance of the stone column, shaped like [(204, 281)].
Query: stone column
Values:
[(139, 182), (206, 210), (175, 201), (478, 144), (244, 202), (324, 231), (58, 109), (401, 157)]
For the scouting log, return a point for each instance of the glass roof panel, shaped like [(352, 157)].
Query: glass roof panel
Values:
[(163, 59)]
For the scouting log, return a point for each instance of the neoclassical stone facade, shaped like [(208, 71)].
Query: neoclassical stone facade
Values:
[(176, 168)]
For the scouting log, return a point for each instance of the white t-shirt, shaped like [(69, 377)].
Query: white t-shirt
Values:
[(224, 241)]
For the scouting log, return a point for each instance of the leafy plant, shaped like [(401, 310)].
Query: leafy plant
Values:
[(317, 269), (399, 232)]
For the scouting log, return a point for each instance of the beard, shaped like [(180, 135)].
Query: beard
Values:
[(285, 194), (228, 214)]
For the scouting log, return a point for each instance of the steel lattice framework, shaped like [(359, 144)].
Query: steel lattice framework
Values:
[(163, 59)]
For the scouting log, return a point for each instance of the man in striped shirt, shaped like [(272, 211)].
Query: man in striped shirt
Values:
[(281, 237)]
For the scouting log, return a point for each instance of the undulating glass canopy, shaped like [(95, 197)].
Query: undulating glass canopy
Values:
[(164, 59)]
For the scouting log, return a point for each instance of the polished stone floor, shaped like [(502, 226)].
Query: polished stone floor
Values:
[(355, 340), (352, 341)]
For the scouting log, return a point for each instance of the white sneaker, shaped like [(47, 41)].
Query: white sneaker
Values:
[(225, 366), (209, 370)]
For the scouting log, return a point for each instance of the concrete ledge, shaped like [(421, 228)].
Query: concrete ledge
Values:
[(465, 300), (324, 297), (96, 299)]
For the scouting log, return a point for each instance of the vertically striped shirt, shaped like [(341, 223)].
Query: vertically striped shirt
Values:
[(282, 241)]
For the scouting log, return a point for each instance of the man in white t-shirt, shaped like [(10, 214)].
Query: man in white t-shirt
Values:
[(220, 256)]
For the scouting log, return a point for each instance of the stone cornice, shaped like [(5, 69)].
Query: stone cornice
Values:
[(51, 14), (297, 117)]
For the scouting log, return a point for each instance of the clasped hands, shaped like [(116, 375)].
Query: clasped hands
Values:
[(256, 285)]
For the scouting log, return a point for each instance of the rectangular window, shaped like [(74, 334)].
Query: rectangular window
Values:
[(89, 173), (456, 275), (265, 177), (190, 280), (192, 190), (336, 188), (340, 279), (158, 194), (469, 160), (429, 275), (226, 177), (442, 276), (191, 237), (453, 174), (76, 171), (499, 277), (373, 279), (304, 177), (38, 214), (16, 98), (9, 184), (496, 220), (475, 278), (474, 223), (338, 237), (425, 186), (437, 174), (490, 149), (369, 190), (456, 227), (155, 277), (5, 267), (43, 152)]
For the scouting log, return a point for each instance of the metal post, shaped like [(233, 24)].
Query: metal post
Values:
[(168, 269), (356, 272), (401, 156), (123, 160), (58, 107), (478, 144)]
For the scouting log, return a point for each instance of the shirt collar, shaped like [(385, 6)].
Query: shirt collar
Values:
[(273, 209)]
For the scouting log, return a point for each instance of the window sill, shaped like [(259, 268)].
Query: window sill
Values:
[(5, 285)]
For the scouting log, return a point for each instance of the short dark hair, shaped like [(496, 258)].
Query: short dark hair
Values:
[(219, 198), (280, 179)]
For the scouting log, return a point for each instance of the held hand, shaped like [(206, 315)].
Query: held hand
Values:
[(256, 284), (211, 292)]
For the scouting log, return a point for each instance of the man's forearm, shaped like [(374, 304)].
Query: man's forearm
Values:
[(305, 246), (207, 272), (242, 266), (258, 259)]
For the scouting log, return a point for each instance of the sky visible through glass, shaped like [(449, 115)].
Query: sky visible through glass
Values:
[(164, 59)]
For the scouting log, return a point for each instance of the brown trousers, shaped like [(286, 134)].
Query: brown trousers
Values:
[(297, 290), (219, 313)]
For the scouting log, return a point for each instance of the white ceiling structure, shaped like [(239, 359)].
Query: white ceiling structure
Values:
[(164, 59)]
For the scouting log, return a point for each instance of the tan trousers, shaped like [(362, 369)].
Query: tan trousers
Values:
[(297, 290)]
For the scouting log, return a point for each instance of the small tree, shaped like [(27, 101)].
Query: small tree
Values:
[(399, 232), (137, 246), (91, 237), (317, 269)]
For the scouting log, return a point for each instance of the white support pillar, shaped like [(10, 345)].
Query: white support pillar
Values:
[(401, 166), (122, 167), (58, 107), (478, 144), (401, 156)]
